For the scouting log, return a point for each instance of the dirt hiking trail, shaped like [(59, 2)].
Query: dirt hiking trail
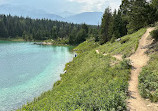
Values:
[(118, 57), (138, 60)]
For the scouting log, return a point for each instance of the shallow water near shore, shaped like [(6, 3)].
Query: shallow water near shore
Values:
[(27, 70)]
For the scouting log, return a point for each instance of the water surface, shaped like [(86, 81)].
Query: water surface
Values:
[(27, 70)]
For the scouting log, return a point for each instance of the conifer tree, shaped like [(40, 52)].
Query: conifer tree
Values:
[(106, 26), (140, 15)]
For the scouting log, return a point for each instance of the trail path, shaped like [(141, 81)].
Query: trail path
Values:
[(118, 57), (139, 59)]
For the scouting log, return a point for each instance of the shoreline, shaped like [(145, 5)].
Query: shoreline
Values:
[(54, 84), (37, 42), (70, 57)]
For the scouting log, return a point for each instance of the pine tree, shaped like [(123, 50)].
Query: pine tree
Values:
[(139, 15), (154, 4), (3, 30), (106, 26)]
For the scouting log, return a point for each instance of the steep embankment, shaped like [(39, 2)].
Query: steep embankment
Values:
[(94, 80), (139, 59), (90, 83)]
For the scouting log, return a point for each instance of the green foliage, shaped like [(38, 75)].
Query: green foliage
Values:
[(43, 29), (154, 34), (113, 39), (90, 83), (124, 40), (81, 35), (137, 14), (126, 46), (154, 4), (140, 14), (119, 28), (106, 26), (148, 80), (126, 64), (137, 45), (132, 16), (86, 46), (113, 26)]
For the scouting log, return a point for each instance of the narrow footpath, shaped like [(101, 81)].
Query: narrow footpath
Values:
[(139, 59)]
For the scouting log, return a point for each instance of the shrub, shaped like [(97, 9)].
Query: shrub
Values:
[(125, 64), (124, 40), (154, 34), (148, 85)]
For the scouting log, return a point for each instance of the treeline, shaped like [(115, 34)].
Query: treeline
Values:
[(43, 29), (130, 17)]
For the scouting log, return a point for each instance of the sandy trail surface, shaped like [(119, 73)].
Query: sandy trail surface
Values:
[(139, 59)]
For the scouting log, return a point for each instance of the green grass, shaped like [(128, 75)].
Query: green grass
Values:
[(126, 46), (92, 81), (148, 79), (86, 46), (89, 84)]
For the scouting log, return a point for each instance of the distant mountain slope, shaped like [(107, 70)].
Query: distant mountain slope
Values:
[(91, 18), (30, 12), (65, 14)]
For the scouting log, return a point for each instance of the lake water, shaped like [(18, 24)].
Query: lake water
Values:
[(27, 70)]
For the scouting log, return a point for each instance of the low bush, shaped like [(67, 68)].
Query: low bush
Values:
[(148, 80), (154, 34), (124, 40)]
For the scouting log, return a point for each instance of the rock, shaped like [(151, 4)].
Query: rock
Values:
[(117, 40), (43, 43), (149, 105)]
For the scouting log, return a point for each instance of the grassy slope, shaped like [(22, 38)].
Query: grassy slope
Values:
[(86, 46), (91, 82), (127, 48), (148, 79)]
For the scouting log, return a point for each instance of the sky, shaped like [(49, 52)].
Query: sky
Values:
[(72, 6)]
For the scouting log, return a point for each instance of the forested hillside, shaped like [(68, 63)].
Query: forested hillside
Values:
[(130, 17), (44, 29)]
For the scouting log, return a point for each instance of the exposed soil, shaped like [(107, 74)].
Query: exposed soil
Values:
[(118, 57), (139, 59)]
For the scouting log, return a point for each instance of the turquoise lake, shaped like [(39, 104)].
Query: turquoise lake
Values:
[(27, 70)]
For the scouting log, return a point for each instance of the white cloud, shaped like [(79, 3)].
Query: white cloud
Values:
[(91, 5), (97, 5)]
